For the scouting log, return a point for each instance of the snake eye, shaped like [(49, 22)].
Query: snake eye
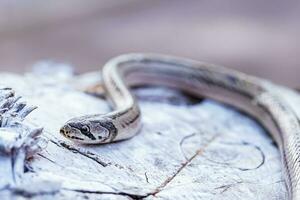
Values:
[(85, 129)]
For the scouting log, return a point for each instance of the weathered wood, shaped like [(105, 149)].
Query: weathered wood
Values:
[(18, 139), (187, 149)]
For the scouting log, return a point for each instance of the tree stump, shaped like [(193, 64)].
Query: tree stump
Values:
[(187, 149)]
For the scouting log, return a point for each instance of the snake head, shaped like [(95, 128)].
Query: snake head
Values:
[(83, 130)]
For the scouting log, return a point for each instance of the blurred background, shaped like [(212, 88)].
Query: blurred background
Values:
[(256, 37)]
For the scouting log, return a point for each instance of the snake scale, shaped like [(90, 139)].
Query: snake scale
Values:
[(246, 93)]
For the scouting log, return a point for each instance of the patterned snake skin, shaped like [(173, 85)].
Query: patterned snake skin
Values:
[(246, 93)]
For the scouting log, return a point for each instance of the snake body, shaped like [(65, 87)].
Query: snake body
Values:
[(246, 93)]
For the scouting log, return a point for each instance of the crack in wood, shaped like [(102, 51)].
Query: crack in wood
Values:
[(13, 162), (32, 189), (146, 176), (125, 183), (243, 143), (85, 154), (131, 196), (89, 155), (41, 155), (158, 189), (183, 165), (26, 194), (182, 141), (224, 188)]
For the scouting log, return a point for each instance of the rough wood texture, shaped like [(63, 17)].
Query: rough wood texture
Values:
[(188, 149), (19, 140)]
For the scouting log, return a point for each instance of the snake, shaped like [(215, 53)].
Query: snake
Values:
[(246, 93)]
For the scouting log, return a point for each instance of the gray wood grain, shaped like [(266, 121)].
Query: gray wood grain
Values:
[(187, 149)]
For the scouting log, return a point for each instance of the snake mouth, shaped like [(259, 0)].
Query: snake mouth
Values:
[(68, 132), (65, 131)]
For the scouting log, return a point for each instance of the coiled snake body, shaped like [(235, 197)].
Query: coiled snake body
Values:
[(247, 93)]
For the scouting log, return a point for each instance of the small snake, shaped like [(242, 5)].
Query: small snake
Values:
[(246, 93)]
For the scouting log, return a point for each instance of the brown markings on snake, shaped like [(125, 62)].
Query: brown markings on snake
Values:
[(133, 119), (113, 131), (119, 114), (267, 110), (284, 109), (77, 138), (204, 79), (116, 87), (200, 76), (79, 126)]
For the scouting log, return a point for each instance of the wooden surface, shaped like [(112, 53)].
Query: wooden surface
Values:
[(187, 149), (256, 37)]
